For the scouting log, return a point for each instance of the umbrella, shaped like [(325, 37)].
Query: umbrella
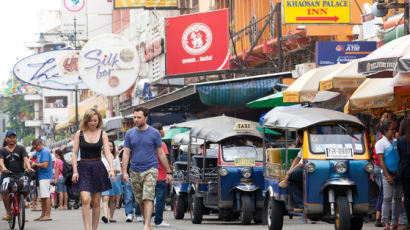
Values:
[(343, 79), (329, 100), (170, 133), (373, 93), (306, 86), (323, 96), (386, 57), (269, 101)]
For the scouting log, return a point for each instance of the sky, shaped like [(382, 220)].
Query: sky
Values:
[(19, 23)]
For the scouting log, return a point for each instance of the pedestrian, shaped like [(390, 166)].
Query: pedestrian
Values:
[(378, 178), (131, 207), (59, 180), (161, 185), (386, 149), (90, 177), (45, 174), (110, 196), (53, 185), (403, 146), (13, 158), (144, 144)]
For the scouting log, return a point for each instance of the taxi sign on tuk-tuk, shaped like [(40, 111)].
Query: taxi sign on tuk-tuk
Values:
[(243, 126), (249, 162)]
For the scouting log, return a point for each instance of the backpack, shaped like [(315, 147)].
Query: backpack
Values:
[(67, 169)]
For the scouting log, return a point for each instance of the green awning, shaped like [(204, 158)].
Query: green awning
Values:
[(270, 101), (268, 131), (170, 133)]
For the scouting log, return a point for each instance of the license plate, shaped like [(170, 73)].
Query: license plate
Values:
[(339, 153), (244, 161)]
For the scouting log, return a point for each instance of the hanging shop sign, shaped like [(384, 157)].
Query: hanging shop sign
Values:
[(157, 4), (197, 42), (316, 12), (73, 6), (154, 49), (55, 69), (109, 64), (330, 53)]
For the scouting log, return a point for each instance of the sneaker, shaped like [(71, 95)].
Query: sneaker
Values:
[(104, 219), (7, 217), (386, 226), (378, 223), (140, 219), (162, 224), (398, 227), (129, 218), (283, 184)]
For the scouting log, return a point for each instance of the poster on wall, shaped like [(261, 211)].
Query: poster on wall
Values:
[(197, 42)]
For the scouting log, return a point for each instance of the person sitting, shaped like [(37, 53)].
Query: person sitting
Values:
[(294, 177)]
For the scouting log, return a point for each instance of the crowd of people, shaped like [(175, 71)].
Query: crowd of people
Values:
[(98, 172)]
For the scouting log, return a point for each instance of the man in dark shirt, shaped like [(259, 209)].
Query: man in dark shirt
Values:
[(13, 157)]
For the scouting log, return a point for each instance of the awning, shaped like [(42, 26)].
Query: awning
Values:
[(63, 125), (269, 101), (230, 92), (112, 123)]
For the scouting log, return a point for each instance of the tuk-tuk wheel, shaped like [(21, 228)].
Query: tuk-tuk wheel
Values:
[(196, 209), (356, 223), (342, 220), (275, 211), (179, 207), (258, 216), (246, 209)]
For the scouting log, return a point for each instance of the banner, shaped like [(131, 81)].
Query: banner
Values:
[(330, 53), (122, 4), (197, 42)]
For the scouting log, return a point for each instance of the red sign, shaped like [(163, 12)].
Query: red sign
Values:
[(198, 42), (154, 49)]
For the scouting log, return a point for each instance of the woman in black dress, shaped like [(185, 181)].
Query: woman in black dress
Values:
[(90, 177), (403, 145)]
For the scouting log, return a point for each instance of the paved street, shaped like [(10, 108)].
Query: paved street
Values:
[(72, 219)]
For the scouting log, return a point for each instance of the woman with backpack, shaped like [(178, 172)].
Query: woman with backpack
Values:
[(59, 180)]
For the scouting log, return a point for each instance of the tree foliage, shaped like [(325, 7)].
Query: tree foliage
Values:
[(15, 108)]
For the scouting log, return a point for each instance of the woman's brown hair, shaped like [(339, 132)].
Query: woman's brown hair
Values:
[(87, 117), (405, 131), (114, 150)]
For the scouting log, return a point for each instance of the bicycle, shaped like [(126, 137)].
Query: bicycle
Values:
[(19, 184)]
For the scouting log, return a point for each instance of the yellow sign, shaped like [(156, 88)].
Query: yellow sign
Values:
[(243, 126), (121, 4), (250, 162), (316, 11)]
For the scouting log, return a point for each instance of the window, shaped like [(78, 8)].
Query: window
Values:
[(55, 102)]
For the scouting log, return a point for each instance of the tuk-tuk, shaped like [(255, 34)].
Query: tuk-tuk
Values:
[(226, 174), (179, 185), (336, 168)]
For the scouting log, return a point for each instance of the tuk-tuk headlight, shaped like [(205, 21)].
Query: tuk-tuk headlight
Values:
[(341, 167), (310, 167), (369, 167), (246, 172), (223, 171)]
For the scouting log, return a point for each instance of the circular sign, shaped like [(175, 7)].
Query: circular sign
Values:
[(109, 64), (74, 5), (197, 38)]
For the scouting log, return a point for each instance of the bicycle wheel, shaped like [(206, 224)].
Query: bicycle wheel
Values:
[(21, 212), (13, 204)]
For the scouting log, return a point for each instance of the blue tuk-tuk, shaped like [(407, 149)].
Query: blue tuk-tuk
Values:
[(226, 174), (336, 171)]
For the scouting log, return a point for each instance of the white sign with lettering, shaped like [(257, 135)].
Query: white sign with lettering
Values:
[(109, 64)]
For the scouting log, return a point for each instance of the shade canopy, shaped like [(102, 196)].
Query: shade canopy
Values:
[(269, 101), (401, 88), (295, 119), (386, 57), (345, 78), (305, 88), (373, 93)]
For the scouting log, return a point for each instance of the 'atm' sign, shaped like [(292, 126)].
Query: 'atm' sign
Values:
[(316, 11)]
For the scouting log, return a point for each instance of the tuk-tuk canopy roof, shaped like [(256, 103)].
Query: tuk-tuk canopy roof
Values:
[(305, 117), (215, 129), (183, 139)]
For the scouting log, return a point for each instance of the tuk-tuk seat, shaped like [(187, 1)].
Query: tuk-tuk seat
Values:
[(210, 162), (275, 162), (180, 165)]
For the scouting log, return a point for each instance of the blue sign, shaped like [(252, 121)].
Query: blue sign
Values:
[(330, 53)]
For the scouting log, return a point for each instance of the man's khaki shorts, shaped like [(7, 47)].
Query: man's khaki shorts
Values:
[(143, 184)]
